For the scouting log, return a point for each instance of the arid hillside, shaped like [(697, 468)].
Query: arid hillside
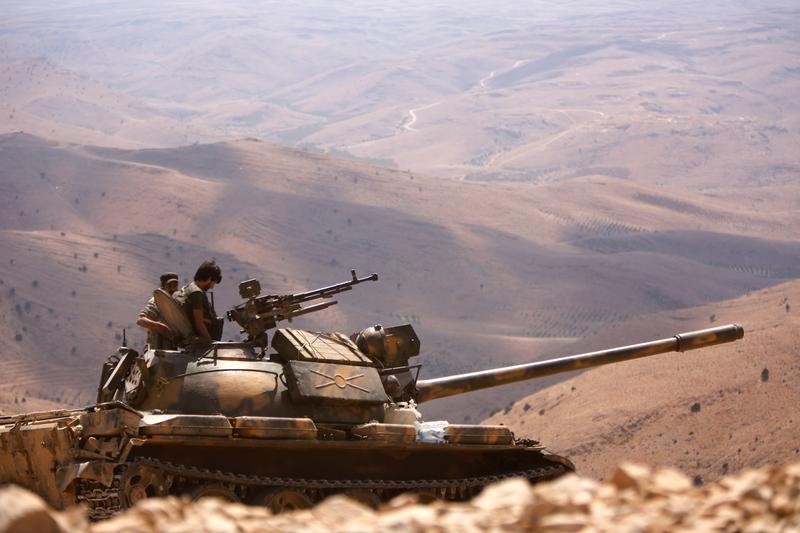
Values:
[(45, 99), (707, 413), (660, 92), (487, 274)]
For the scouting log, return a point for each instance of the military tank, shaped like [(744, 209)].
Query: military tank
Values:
[(282, 419)]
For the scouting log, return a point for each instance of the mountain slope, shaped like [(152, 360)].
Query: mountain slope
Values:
[(707, 412), (488, 275)]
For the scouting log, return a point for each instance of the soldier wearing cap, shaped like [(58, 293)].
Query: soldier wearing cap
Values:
[(159, 336), (194, 301)]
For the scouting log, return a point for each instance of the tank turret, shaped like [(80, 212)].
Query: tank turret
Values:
[(284, 418)]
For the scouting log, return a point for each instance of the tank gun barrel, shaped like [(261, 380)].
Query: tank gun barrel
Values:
[(432, 389)]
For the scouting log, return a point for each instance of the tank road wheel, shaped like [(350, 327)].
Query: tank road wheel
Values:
[(280, 500), (215, 490), (142, 481), (364, 497)]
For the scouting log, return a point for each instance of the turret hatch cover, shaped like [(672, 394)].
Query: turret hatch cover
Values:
[(327, 347), (172, 314)]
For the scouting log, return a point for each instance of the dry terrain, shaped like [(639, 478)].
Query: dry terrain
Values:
[(708, 412), (636, 498), (528, 181), (673, 93)]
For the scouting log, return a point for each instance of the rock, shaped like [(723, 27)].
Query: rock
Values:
[(505, 494), (563, 522), (335, 510), (669, 480), (569, 493), (406, 519), (636, 498), (403, 500), (630, 476), (22, 512)]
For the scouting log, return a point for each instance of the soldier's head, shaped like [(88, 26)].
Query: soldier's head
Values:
[(208, 275), (169, 282)]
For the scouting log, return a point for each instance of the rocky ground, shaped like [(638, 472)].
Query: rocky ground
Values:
[(635, 498)]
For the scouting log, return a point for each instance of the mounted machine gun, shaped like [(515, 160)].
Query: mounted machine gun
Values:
[(261, 313)]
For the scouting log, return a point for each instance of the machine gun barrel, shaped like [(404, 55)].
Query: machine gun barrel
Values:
[(432, 389), (261, 313), (327, 292)]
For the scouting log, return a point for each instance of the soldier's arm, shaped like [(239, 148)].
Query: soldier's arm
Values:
[(200, 324), (148, 319), (154, 325)]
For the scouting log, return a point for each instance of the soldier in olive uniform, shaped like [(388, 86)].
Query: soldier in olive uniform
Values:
[(159, 336), (194, 301)]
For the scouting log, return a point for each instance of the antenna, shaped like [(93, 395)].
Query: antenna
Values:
[(124, 339)]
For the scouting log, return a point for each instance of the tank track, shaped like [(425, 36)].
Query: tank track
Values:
[(104, 502), (101, 502), (533, 474)]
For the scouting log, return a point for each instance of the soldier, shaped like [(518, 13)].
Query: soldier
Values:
[(195, 302), (159, 336)]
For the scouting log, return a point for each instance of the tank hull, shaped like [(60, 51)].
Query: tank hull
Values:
[(284, 430), (111, 456), (356, 461)]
